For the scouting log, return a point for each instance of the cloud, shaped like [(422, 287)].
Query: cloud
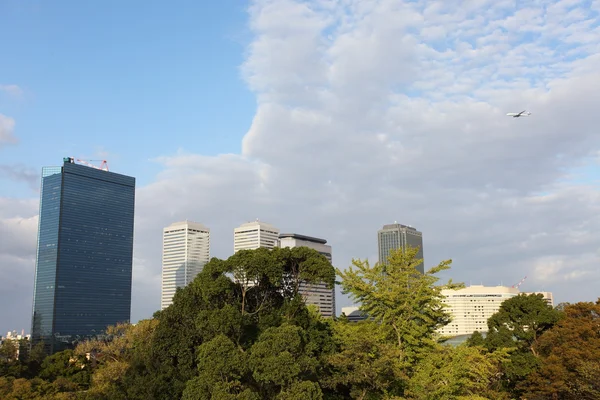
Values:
[(21, 173), (370, 112), (18, 229), (12, 90), (377, 111), (7, 126)]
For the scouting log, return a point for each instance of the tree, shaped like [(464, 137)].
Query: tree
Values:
[(476, 339), (522, 318), (8, 351), (221, 302), (464, 371), (518, 325), (397, 295), (367, 364), (65, 364), (570, 357)]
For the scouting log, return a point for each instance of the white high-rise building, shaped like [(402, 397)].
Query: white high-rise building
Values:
[(186, 249), (471, 307), (317, 294), (252, 235)]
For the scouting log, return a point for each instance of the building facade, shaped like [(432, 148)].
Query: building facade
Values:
[(354, 314), (397, 236), (84, 254), (186, 249), (471, 307), (252, 235), (547, 296), (317, 294)]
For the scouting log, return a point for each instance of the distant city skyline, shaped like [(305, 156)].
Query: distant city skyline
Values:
[(327, 120)]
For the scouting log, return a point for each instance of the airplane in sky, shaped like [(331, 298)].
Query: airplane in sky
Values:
[(523, 113)]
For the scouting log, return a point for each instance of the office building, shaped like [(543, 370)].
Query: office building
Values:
[(317, 294), (353, 313), (186, 249), (472, 306), (547, 296), (252, 235), (395, 236), (84, 254)]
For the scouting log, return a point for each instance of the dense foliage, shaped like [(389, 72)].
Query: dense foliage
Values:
[(241, 330)]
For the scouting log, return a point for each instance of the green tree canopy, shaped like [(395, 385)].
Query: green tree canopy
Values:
[(397, 295)]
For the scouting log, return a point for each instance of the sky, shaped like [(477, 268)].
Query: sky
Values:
[(327, 118)]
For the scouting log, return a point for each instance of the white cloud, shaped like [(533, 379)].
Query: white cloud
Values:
[(381, 110), (12, 90), (7, 126)]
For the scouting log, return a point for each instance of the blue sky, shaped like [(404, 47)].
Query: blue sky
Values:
[(347, 116), (134, 79)]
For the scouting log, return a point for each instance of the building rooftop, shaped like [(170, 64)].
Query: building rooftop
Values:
[(256, 223), (397, 226), (302, 237), (191, 224)]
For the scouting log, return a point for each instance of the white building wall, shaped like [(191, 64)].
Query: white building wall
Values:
[(186, 249), (472, 306), (252, 235), (547, 296), (316, 294)]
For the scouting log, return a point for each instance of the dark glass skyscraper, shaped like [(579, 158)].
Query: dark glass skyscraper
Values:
[(397, 236), (84, 257)]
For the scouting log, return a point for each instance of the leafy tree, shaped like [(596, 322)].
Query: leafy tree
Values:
[(282, 358), (222, 368), (8, 351), (570, 357), (239, 299), (111, 357), (476, 339), (34, 359), (65, 364), (523, 319), (397, 295), (367, 364), (464, 371), (518, 325)]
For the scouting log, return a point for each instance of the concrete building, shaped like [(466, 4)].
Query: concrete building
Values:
[(395, 236), (317, 294), (471, 307), (353, 313), (252, 235), (83, 271), (186, 249), (547, 297)]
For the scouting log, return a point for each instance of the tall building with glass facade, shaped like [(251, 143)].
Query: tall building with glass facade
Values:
[(186, 249), (317, 294), (83, 268), (398, 236)]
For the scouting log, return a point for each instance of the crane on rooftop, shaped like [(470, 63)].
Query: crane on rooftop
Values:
[(103, 165), (516, 285)]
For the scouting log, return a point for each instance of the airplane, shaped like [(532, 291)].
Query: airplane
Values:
[(523, 113)]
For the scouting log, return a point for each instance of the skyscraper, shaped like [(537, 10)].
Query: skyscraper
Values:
[(84, 254), (252, 235), (186, 249), (396, 236), (317, 294)]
